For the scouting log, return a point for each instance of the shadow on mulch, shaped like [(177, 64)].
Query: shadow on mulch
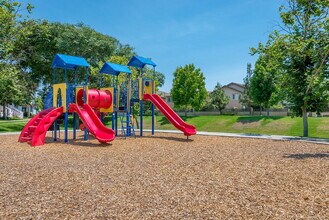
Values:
[(89, 144), (172, 138), (79, 142), (307, 155)]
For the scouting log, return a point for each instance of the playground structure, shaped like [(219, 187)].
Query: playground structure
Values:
[(71, 95)]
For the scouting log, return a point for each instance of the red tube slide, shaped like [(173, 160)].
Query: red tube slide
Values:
[(96, 98)]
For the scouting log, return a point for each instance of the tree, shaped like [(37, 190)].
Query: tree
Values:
[(34, 49), (218, 97), (245, 98), (262, 85), (303, 50), (189, 87), (28, 46), (9, 13), (40, 40), (158, 77), (12, 87)]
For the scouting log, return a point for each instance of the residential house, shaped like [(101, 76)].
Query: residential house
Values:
[(234, 91), (11, 112), (166, 97)]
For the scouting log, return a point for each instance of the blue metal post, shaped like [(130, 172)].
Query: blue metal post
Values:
[(55, 122), (66, 119), (85, 136), (66, 122), (55, 130), (141, 104), (75, 114), (100, 84), (141, 118), (114, 104), (116, 123), (152, 119), (153, 86), (128, 124), (74, 126), (113, 116)]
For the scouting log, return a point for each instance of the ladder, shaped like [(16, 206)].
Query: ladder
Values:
[(127, 124)]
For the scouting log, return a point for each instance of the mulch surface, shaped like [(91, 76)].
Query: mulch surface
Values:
[(164, 177)]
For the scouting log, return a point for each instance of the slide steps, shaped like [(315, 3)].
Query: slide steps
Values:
[(35, 130)]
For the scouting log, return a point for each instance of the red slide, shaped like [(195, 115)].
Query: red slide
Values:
[(35, 130), (170, 114), (93, 123)]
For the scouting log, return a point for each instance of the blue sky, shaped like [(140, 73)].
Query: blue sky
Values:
[(215, 35)]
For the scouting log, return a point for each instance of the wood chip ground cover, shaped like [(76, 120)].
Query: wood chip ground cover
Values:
[(164, 177)]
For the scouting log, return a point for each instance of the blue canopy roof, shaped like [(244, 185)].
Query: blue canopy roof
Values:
[(68, 62), (114, 69), (140, 62)]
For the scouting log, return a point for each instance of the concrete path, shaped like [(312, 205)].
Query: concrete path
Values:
[(259, 136), (222, 134)]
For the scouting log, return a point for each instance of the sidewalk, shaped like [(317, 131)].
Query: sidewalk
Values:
[(258, 136), (222, 134)]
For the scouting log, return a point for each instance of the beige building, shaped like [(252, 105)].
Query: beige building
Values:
[(234, 92), (166, 97)]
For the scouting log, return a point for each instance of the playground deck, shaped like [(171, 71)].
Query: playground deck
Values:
[(164, 177)]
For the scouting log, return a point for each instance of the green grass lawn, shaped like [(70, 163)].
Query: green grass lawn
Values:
[(318, 127), (12, 125)]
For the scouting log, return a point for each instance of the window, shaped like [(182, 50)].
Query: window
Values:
[(235, 96)]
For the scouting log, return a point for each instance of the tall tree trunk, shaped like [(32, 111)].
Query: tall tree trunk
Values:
[(268, 112), (260, 110), (4, 114), (305, 121)]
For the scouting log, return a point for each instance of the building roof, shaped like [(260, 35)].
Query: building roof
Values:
[(140, 62), (238, 84), (114, 69), (235, 86), (68, 62), (163, 94)]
